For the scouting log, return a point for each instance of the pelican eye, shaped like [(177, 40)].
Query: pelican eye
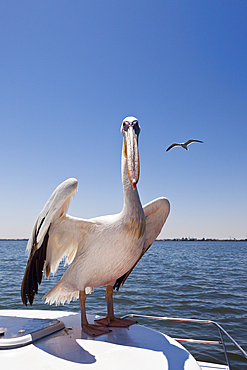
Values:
[(136, 127), (125, 126)]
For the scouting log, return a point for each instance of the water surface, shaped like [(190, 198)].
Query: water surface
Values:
[(188, 279)]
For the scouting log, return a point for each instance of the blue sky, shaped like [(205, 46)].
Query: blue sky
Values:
[(72, 70)]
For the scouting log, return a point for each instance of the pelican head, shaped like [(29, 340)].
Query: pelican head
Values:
[(130, 130)]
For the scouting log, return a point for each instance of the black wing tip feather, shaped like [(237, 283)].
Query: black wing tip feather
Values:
[(118, 282), (34, 271)]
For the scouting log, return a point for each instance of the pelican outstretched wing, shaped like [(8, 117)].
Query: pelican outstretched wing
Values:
[(156, 213), (55, 209)]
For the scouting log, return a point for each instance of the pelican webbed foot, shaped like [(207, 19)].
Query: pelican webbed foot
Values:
[(95, 330), (115, 322)]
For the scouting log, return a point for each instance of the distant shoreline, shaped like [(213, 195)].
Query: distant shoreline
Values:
[(202, 240), (169, 240)]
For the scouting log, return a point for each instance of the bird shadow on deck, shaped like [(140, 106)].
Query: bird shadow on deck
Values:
[(121, 348)]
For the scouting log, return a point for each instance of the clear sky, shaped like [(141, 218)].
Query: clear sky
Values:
[(72, 70)]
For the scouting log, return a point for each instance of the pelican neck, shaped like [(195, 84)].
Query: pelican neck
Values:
[(131, 196)]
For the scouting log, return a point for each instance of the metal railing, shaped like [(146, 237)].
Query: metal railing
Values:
[(197, 321)]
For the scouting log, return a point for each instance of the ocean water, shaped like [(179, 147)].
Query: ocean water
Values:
[(186, 279)]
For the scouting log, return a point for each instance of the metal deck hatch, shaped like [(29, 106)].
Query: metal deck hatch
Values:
[(19, 331)]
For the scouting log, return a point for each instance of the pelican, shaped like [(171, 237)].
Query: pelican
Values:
[(184, 145), (101, 251)]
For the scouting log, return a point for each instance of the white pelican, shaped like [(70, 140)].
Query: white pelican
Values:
[(100, 251), (184, 145)]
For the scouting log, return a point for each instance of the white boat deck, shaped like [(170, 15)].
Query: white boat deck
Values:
[(136, 347)]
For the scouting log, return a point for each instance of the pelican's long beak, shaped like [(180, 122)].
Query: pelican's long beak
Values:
[(132, 155)]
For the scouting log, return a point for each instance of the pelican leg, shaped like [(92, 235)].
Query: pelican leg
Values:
[(91, 329), (110, 320)]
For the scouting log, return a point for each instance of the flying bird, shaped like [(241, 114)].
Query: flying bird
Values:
[(100, 251), (184, 145)]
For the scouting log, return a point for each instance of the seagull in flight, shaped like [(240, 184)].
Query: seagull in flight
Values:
[(184, 145)]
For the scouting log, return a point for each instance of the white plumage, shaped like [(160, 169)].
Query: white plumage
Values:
[(101, 250)]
